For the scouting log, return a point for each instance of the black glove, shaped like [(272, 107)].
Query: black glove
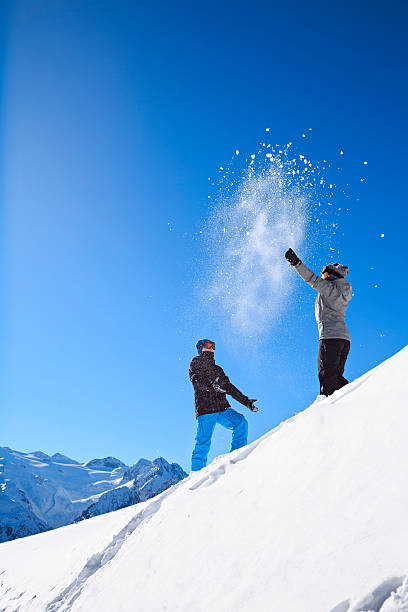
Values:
[(251, 405), (292, 258)]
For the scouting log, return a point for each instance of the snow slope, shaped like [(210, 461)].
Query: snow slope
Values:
[(312, 517)]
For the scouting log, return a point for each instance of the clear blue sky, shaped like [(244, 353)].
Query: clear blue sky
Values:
[(114, 115)]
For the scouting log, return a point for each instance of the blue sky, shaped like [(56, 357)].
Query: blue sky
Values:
[(114, 116)]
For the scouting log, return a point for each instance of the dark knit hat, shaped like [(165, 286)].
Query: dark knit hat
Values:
[(336, 269)]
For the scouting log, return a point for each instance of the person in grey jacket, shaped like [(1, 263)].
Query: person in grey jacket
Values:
[(334, 294)]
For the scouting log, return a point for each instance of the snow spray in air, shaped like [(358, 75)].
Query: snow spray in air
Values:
[(258, 212)]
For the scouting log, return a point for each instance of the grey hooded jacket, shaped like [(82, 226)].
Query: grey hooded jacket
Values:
[(332, 300)]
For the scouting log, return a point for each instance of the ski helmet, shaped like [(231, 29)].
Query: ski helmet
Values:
[(201, 343)]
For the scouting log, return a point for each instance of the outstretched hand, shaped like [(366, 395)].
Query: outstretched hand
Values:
[(292, 258), (251, 405)]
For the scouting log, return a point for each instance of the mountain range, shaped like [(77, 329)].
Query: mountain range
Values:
[(39, 492)]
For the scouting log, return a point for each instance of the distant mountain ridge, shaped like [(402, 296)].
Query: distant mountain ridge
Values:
[(143, 480), (105, 463), (39, 492)]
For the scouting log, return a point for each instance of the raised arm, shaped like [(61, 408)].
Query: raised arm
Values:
[(322, 285)]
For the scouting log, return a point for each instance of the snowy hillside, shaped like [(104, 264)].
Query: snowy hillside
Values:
[(312, 517), (39, 492)]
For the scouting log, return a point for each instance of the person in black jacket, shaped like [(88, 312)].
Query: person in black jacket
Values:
[(211, 387)]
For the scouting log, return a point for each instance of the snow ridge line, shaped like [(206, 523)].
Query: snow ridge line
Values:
[(67, 597), (390, 595), (219, 470)]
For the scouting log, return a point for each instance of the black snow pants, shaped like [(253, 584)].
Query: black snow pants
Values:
[(331, 360)]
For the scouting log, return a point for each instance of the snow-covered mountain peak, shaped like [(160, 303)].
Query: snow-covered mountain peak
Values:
[(161, 461), (39, 455), (107, 463), (142, 462), (134, 470), (59, 458)]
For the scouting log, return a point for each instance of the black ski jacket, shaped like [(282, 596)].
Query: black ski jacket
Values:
[(211, 385)]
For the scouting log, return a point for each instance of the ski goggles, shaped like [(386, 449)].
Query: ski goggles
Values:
[(209, 345)]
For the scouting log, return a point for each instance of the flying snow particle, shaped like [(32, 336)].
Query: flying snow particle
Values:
[(365, 163), (269, 204), (382, 235), (249, 231), (267, 129), (341, 152)]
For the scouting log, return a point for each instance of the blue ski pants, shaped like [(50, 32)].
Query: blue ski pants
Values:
[(231, 419)]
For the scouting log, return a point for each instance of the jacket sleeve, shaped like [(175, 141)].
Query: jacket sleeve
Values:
[(200, 379), (323, 286), (224, 382)]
